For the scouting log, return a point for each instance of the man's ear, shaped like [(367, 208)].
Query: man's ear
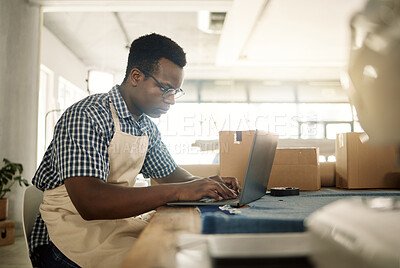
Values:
[(135, 76)]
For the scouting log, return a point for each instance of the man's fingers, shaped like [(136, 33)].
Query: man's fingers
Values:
[(225, 191), (230, 192), (226, 185), (214, 194), (221, 189), (232, 182)]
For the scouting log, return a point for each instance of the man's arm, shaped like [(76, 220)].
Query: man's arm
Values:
[(178, 175), (182, 175), (94, 199)]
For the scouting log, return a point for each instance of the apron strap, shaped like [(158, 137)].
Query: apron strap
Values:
[(115, 117)]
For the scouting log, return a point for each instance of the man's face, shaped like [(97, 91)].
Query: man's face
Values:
[(151, 100)]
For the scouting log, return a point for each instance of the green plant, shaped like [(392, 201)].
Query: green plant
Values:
[(9, 174)]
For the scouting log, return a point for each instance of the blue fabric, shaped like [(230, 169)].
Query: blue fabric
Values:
[(273, 214), (80, 148), (49, 256)]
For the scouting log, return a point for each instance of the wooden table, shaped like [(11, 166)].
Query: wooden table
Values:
[(156, 246)]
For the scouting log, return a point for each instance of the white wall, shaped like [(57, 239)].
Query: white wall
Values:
[(19, 86), (57, 57), (19, 81), (62, 63)]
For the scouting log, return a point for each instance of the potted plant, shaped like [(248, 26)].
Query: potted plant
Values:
[(9, 174)]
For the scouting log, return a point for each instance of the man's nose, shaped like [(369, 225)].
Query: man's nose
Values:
[(170, 100)]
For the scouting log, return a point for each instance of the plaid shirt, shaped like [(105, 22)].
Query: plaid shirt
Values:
[(79, 148)]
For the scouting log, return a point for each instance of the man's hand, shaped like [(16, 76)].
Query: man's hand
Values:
[(231, 182), (210, 187)]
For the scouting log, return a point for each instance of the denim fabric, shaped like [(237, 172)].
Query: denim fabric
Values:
[(49, 256), (277, 214)]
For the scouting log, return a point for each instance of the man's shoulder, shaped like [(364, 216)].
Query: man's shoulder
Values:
[(93, 109), (93, 106)]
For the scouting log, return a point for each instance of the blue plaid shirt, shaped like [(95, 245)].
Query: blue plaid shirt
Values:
[(79, 148)]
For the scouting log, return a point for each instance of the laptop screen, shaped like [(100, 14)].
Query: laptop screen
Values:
[(259, 167)]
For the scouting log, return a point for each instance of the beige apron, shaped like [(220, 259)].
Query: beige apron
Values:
[(98, 243)]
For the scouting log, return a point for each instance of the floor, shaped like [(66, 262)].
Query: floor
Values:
[(15, 255)]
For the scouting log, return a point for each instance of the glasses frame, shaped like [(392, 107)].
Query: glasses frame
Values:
[(178, 92)]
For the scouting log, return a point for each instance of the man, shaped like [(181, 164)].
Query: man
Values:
[(87, 217)]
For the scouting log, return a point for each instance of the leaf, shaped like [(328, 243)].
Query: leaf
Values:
[(9, 174), (6, 161), (3, 181)]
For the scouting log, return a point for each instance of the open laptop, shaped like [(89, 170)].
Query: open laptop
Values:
[(257, 174)]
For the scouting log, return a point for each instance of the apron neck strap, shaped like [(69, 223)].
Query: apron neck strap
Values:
[(115, 117)]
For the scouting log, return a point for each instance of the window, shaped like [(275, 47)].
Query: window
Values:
[(321, 92), (45, 87), (271, 92), (312, 130), (279, 118), (59, 100), (100, 82), (314, 111), (68, 93), (324, 112), (333, 129), (191, 91), (223, 91)]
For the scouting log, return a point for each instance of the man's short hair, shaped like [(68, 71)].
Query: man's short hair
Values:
[(146, 52)]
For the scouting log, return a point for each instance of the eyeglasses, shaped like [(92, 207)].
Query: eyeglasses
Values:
[(167, 92)]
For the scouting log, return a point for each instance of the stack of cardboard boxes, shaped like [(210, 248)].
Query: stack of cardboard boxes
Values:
[(358, 165), (292, 167), (296, 167)]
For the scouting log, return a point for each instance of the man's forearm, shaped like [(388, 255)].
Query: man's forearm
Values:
[(97, 200), (179, 175)]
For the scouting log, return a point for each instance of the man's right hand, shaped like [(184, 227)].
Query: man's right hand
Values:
[(202, 187)]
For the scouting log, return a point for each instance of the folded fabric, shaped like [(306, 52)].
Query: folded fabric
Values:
[(277, 214)]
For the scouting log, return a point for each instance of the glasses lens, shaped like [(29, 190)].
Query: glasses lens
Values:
[(179, 93), (169, 93), (176, 92)]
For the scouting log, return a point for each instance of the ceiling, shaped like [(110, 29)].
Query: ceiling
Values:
[(260, 39)]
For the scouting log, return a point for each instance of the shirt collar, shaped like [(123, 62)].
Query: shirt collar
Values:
[(119, 103)]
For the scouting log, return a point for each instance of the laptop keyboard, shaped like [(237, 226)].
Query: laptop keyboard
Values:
[(207, 200)]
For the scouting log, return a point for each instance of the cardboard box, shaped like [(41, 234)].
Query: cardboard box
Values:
[(7, 232), (360, 165), (296, 167), (327, 170), (234, 152), (202, 170), (293, 167), (197, 170)]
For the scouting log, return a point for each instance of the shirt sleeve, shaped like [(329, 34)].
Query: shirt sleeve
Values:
[(159, 162), (81, 149)]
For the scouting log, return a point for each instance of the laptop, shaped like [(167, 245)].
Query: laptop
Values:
[(257, 174)]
